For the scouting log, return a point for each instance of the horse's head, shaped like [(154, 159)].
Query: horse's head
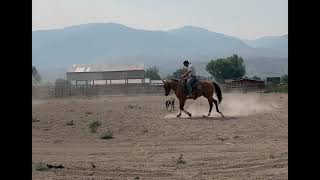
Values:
[(167, 85)]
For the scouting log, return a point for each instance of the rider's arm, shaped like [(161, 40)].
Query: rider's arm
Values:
[(187, 73)]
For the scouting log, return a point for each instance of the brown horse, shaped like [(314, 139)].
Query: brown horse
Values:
[(205, 88)]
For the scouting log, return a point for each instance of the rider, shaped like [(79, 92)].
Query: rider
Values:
[(191, 76)]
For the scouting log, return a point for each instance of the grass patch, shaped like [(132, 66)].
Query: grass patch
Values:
[(145, 130), (107, 135), (94, 125), (41, 167), (277, 89), (181, 160), (87, 113)]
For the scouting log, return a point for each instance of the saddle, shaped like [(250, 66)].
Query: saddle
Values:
[(195, 85)]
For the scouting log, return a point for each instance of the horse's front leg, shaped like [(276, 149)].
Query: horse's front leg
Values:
[(179, 114), (189, 114), (181, 108), (181, 102)]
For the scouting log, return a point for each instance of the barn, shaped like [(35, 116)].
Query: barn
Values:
[(273, 80), (106, 74)]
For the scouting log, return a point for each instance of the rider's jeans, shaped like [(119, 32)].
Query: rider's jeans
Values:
[(189, 82)]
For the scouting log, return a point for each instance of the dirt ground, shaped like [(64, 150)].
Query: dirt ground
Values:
[(251, 142)]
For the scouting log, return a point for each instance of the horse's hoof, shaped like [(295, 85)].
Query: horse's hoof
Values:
[(178, 115), (189, 115)]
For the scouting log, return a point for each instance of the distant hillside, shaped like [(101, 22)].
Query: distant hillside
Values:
[(276, 43), (112, 43)]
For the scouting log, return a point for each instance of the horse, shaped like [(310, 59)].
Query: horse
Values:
[(204, 88)]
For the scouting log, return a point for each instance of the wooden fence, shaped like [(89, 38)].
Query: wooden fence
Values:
[(119, 89), (94, 90)]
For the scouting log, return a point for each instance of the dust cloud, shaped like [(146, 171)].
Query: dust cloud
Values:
[(233, 104)]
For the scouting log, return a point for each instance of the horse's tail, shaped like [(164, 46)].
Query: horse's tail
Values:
[(218, 90)]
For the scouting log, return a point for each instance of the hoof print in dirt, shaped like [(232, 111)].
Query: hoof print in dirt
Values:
[(70, 123), (58, 141), (222, 138), (34, 119), (87, 113), (272, 156), (134, 106), (236, 137), (278, 166), (92, 165), (145, 130)]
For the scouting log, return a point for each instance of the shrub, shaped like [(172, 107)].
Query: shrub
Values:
[(94, 125), (107, 135)]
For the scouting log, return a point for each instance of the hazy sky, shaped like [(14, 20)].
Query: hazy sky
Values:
[(241, 18)]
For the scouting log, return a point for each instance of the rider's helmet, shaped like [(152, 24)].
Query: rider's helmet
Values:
[(186, 63)]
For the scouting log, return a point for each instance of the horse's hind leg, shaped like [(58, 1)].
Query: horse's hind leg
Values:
[(173, 105), (217, 109), (210, 100), (181, 107)]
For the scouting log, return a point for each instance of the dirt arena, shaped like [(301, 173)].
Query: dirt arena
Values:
[(251, 142)]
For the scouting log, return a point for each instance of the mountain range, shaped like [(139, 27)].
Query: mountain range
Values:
[(54, 51)]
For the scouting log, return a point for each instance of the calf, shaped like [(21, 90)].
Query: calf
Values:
[(168, 103), (172, 103)]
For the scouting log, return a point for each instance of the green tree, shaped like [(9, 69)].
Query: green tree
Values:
[(152, 73), (36, 78), (226, 68), (284, 78)]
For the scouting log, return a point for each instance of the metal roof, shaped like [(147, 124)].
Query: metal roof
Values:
[(105, 67), (156, 81), (242, 78)]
